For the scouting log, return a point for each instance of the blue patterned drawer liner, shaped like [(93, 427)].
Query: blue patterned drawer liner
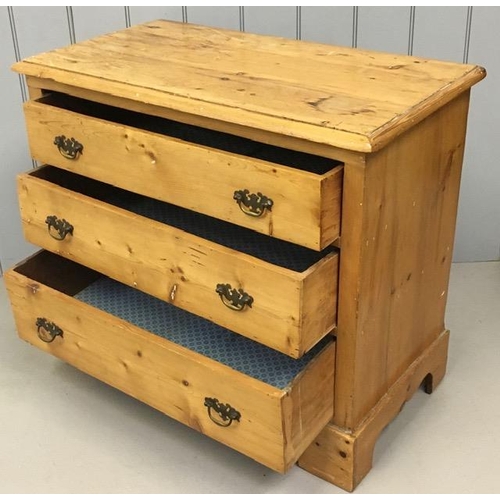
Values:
[(197, 135), (261, 246), (274, 251), (195, 333)]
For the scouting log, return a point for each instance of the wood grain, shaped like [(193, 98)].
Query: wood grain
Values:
[(242, 130), (331, 202), (398, 124), (183, 269), (344, 457), (171, 378), (318, 295), (399, 220), (249, 79), (308, 404), (69, 279), (306, 208)]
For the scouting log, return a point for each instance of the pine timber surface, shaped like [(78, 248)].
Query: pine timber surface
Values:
[(346, 98), (291, 311), (399, 218)]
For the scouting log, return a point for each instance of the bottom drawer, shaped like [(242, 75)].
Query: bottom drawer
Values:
[(243, 394)]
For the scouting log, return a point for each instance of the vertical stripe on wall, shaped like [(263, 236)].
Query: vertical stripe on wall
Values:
[(242, 18), (411, 31), (354, 42), (71, 25), (468, 27), (298, 23), (127, 17)]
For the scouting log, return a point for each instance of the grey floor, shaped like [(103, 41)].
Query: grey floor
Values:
[(63, 432)]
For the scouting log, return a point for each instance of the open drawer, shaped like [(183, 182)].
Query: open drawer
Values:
[(271, 291), (245, 395), (282, 193)]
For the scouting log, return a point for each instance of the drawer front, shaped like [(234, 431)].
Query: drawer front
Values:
[(283, 202), (287, 310), (269, 424)]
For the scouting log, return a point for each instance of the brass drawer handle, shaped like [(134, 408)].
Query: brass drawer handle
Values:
[(47, 331), (225, 413), (252, 204), (61, 226), (232, 298), (70, 148)]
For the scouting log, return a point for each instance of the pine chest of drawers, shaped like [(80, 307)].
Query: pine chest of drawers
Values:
[(251, 234)]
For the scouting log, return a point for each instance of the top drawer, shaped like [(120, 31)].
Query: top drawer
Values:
[(282, 193)]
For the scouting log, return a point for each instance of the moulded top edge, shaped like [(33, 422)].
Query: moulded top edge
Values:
[(343, 97)]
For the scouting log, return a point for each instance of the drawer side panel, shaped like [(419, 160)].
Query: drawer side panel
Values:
[(331, 205), (319, 300), (309, 404)]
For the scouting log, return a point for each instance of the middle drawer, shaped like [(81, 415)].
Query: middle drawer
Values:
[(274, 292)]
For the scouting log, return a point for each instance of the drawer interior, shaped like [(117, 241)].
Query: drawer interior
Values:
[(167, 321), (280, 253), (197, 135)]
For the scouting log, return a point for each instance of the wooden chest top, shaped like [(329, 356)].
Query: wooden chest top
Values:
[(342, 97)]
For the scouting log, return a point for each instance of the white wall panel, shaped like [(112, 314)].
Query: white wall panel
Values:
[(145, 14), (384, 28), (331, 25), (439, 32), (279, 21), (94, 21), (478, 229), (41, 28), (219, 17), (14, 155)]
